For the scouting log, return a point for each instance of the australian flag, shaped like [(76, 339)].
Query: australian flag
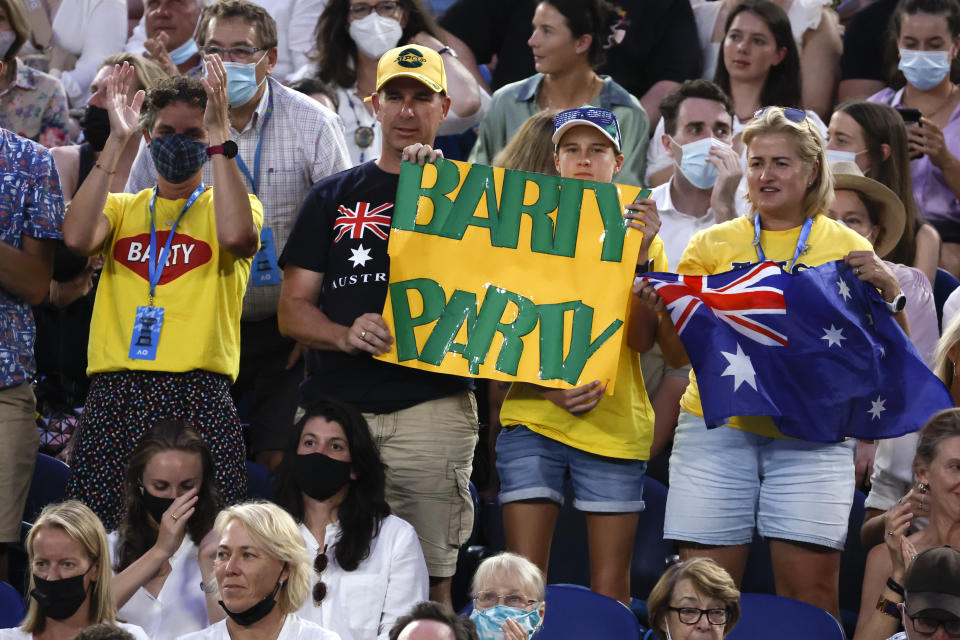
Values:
[(817, 351)]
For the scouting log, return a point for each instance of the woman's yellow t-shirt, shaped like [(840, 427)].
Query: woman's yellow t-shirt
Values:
[(729, 245)]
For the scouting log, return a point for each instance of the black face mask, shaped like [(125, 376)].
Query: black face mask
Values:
[(155, 505), (59, 599), (319, 475), (257, 612), (95, 123)]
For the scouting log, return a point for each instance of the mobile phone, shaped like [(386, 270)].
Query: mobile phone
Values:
[(910, 116)]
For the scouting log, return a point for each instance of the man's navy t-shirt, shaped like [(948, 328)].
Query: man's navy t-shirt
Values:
[(342, 231)]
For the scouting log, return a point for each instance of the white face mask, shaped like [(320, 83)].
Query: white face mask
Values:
[(6, 41), (835, 155), (693, 162), (375, 35)]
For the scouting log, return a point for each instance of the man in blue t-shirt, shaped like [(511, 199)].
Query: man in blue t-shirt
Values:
[(334, 286), (31, 217)]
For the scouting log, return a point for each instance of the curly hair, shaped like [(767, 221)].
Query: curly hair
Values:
[(364, 507), (138, 532), (176, 89), (336, 52)]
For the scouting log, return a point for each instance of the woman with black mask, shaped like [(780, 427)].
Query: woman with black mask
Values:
[(74, 162), (164, 549), (70, 582), (263, 571), (368, 564)]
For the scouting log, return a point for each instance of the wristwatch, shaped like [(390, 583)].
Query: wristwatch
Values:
[(228, 149), (448, 50), (897, 304), (208, 588)]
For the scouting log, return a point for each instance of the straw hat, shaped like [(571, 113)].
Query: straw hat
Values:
[(847, 175)]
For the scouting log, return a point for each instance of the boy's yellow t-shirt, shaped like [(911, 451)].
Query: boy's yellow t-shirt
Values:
[(201, 290), (729, 245), (620, 426)]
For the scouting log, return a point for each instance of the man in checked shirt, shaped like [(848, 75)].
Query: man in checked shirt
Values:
[(286, 142)]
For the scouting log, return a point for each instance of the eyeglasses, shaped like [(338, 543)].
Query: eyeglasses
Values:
[(320, 565), (492, 599), (233, 54), (692, 615), (791, 114), (928, 626), (386, 9)]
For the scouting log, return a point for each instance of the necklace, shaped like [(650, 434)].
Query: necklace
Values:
[(591, 91)]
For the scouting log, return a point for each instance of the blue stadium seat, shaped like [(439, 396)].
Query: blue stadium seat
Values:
[(767, 616), (650, 550), (943, 285), (576, 612), (853, 562), (259, 482), (12, 608), (49, 485)]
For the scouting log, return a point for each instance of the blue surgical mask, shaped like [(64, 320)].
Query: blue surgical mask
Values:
[(489, 622), (924, 69), (241, 81), (694, 166), (835, 155), (184, 52)]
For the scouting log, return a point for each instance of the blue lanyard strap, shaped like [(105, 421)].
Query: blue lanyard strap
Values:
[(801, 241), (255, 177), (156, 263)]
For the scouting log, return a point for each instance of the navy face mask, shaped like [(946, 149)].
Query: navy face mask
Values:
[(177, 156)]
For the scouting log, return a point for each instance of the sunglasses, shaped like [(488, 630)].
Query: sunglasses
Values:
[(320, 565), (791, 114)]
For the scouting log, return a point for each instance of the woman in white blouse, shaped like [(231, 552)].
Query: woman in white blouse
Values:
[(368, 567), (75, 36), (263, 571), (164, 582)]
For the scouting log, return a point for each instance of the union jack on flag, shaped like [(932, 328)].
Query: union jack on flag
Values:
[(847, 369), (735, 303), (363, 218)]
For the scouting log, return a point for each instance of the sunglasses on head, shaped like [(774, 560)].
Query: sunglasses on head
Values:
[(790, 113)]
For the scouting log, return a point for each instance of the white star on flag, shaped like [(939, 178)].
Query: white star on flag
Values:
[(843, 289), (359, 257), (833, 336), (876, 407), (740, 368)]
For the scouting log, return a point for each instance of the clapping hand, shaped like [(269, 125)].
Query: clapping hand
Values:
[(124, 112)]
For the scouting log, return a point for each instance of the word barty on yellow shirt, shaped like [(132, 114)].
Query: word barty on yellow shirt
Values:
[(509, 275)]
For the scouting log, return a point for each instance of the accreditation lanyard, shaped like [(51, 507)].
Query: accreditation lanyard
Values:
[(156, 263), (801, 241), (254, 178)]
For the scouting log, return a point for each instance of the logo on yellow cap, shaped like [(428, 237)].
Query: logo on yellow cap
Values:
[(411, 59)]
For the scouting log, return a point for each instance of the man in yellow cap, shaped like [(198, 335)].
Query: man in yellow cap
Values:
[(424, 423)]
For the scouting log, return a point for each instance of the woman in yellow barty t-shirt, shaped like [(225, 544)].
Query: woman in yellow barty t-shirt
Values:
[(728, 480)]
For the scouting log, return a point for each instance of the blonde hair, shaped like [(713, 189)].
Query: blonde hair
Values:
[(708, 578), (810, 148), (531, 148), (80, 523), (149, 73), (522, 574), (951, 336), (17, 17), (274, 531)]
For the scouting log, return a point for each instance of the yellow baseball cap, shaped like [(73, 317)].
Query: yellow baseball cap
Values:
[(413, 61)]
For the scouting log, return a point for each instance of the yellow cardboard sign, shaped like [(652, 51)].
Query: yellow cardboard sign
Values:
[(509, 275)]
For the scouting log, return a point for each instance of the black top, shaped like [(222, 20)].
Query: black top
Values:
[(342, 231), (661, 41), (865, 41)]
